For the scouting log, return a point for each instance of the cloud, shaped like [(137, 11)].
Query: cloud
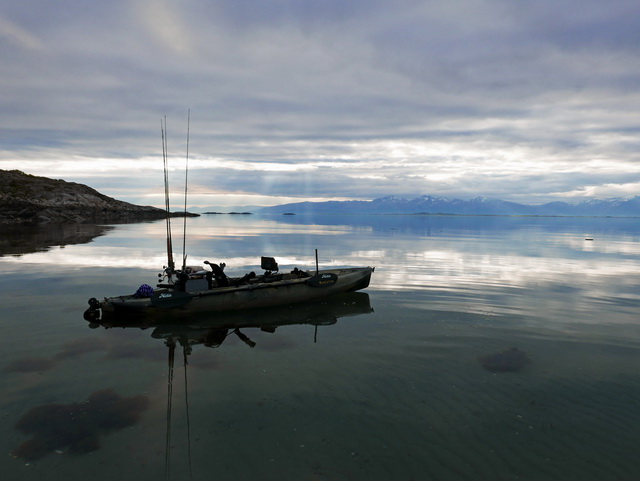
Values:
[(19, 36), (163, 19), (328, 99)]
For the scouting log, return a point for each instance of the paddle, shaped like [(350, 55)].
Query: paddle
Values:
[(171, 299)]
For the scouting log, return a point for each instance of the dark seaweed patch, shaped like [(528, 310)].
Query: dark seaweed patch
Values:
[(511, 360), (132, 351), (77, 426), (79, 347), (30, 364), (70, 350)]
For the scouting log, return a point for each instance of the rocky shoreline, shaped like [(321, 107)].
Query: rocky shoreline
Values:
[(26, 198)]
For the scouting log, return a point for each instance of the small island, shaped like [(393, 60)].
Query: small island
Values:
[(227, 213)]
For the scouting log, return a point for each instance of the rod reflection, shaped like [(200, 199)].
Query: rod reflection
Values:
[(213, 329)]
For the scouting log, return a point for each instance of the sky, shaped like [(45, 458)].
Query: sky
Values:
[(292, 100)]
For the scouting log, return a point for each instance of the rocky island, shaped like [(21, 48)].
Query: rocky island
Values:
[(26, 198)]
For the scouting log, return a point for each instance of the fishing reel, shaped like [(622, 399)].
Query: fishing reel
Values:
[(167, 273)]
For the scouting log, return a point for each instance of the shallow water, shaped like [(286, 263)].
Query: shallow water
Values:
[(338, 391)]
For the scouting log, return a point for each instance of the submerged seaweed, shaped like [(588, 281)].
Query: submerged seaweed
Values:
[(77, 426), (510, 360), (30, 364)]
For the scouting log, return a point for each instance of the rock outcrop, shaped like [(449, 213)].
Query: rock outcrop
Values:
[(26, 198)]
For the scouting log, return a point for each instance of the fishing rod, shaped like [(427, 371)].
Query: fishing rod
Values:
[(163, 130), (186, 178)]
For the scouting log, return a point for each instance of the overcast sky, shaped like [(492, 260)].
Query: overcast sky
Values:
[(528, 101)]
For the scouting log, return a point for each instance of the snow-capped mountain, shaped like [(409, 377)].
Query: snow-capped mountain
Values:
[(427, 204)]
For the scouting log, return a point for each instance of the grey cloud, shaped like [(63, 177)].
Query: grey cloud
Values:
[(292, 82)]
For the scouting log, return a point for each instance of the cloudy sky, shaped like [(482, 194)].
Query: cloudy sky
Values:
[(529, 101)]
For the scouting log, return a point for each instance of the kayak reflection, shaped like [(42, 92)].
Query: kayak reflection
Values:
[(211, 330), (213, 333)]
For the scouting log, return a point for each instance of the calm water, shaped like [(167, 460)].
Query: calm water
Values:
[(391, 384)]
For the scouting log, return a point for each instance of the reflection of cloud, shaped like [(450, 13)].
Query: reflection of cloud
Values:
[(457, 269), (545, 266), (625, 247), (202, 233)]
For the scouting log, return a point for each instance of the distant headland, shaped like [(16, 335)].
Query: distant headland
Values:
[(26, 198)]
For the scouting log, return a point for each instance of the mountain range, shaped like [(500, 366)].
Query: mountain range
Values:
[(428, 204), (33, 199)]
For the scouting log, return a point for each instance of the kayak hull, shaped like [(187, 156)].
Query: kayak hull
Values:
[(248, 296)]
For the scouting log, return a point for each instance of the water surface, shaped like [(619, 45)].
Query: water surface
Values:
[(385, 385)]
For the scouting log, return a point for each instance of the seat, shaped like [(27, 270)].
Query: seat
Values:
[(269, 264)]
